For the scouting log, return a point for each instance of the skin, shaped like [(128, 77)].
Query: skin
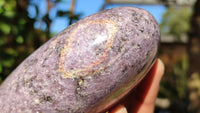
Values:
[(144, 100)]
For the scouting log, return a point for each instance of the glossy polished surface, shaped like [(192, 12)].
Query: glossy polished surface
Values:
[(87, 67)]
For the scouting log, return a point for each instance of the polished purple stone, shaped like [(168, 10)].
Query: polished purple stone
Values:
[(87, 67)]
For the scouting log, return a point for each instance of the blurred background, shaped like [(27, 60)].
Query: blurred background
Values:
[(27, 24)]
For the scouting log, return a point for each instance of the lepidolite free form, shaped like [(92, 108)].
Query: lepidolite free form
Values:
[(88, 67)]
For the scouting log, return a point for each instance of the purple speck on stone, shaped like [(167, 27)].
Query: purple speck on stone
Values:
[(87, 67)]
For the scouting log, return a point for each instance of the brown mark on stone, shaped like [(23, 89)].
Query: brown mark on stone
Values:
[(68, 50)]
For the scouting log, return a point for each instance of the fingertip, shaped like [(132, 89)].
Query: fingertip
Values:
[(119, 109), (160, 62), (160, 68), (147, 90)]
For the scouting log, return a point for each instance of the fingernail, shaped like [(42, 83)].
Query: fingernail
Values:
[(120, 109)]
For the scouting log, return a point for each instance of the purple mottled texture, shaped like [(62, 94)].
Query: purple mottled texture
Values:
[(87, 67)]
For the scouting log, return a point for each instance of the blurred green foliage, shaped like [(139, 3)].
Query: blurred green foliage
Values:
[(175, 87), (18, 37), (16, 33), (176, 21)]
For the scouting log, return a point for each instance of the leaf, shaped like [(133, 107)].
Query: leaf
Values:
[(8, 63), (20, 39), (22, 21), (5, 28), (11, 51), (2, 2), (9, 14)]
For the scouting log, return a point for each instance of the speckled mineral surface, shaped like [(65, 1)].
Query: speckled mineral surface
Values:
[(87, 67)]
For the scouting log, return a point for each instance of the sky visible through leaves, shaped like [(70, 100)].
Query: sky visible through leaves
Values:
[(85, 8)]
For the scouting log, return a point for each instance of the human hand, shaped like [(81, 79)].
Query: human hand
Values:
[(142, 98)]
